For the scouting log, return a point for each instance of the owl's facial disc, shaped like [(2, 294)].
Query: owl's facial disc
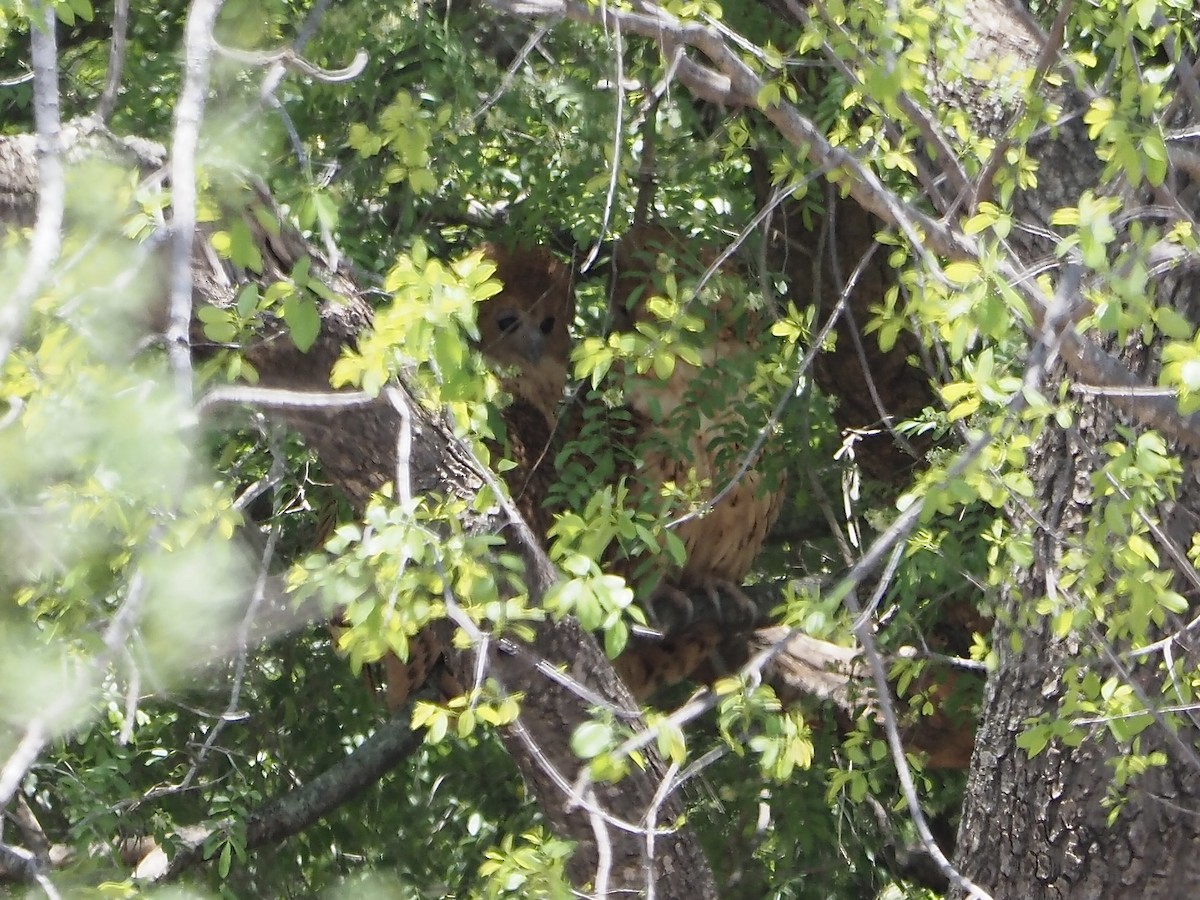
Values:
[(523, 338)]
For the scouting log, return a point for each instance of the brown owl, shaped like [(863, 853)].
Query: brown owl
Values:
[(524, 332)]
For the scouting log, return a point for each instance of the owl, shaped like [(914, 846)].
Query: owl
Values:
[(671, 437), (525, 329), (524, 332)]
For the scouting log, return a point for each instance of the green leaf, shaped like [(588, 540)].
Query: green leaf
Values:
[(423, 181), (616, 637), (303, 321), (671, 742), (962, 273), (1173, 602), (591, 739), (964, 409), (247, 300), (83, 9), (1034, 740), (243, 248), (664, 364), (219, 325), (1172, 324), (768, 95)]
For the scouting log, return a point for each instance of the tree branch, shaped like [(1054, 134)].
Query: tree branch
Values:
[(51, 178), (393, 742)]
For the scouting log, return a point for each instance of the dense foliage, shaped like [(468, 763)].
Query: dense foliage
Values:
[(137, 524)]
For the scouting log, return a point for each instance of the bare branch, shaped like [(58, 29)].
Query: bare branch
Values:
[(404, 439), (392, 742), (288, 58), (189, 112), (116, 61), (280, 398), (16, 80), (47, 231), (506, 82), (618, 140)]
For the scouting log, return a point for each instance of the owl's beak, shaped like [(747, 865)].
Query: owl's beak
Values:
[(532, 345)]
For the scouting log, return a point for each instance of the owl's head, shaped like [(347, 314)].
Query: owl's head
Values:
[(526, 327)]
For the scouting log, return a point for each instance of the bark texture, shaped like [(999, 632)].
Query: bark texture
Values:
[(1038, 827)]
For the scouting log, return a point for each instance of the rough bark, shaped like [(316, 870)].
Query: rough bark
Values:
[(1038, 827)]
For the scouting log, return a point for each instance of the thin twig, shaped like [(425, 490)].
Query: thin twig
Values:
[(899, 758), (618, 141), (806, 361), (231, 713), (665, 787), (16, 80), (506, 82), (404, 439), (280, 398), (603, 848)]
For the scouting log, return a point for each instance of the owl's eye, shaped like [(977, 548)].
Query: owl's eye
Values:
[(507, 321), (547, 324)]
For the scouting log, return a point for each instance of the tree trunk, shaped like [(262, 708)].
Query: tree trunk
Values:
[(1039, 826)]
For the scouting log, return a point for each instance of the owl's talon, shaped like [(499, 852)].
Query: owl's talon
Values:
[(732, 606), (670, 608), (674, 608)]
